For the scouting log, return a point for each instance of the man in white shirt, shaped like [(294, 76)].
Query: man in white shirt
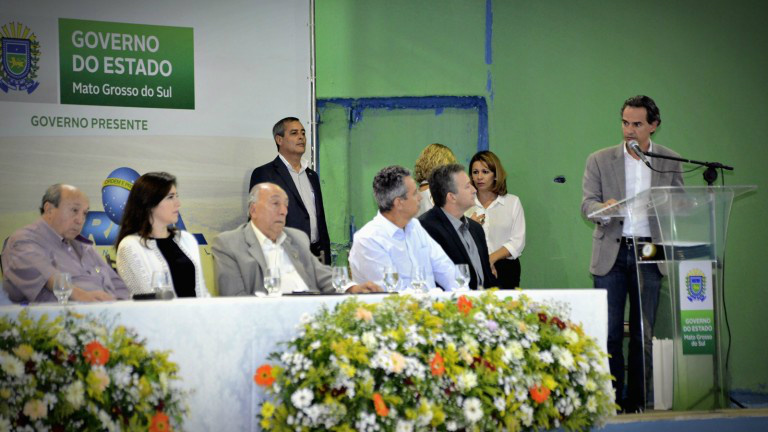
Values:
[(243, 254), (395, 238), (292, 173), (613, 174)]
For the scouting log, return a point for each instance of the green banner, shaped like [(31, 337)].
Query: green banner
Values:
[(127, 65), (698, 331)]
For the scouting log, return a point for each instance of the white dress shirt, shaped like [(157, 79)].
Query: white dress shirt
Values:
[(380, 244), (504, 224), (637, 177), (301, 181), (276, 256)]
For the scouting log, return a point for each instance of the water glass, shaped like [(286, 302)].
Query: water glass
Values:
[(272, 282), (340, 279), (419, 280), (462, 277), (162, 286), (391, 278), (62, 287)]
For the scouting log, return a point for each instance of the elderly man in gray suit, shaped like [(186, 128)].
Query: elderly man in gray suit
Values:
[(613, 174), (242, 255)]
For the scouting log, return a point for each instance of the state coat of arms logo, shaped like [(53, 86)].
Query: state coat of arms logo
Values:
[(696, 285), (19, 54)]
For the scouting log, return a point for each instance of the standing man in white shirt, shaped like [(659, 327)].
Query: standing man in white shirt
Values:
[(289, 171), (395, 238), (613, 174)]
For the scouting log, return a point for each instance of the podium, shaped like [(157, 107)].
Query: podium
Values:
[(689, 226)]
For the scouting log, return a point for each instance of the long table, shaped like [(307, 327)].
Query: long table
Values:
[(219, 342)]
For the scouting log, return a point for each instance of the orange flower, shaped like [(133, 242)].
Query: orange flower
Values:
[(263, 376), (437, 365), (380, 405), (465, 305), (96, 354), (539, 394), (159, 423)]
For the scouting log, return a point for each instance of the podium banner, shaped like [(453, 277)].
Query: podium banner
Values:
[(697, 313)]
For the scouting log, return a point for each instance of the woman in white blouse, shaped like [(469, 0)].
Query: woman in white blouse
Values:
[(149, 241), (501, 215)]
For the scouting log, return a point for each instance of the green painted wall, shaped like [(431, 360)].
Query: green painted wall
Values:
[(559, 73)]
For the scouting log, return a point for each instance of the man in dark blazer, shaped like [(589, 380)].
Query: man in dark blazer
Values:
[(242, 255), (462, 239), (305, 199), (613, 174)]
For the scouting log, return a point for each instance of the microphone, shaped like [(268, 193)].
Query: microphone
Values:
[(636, 148)]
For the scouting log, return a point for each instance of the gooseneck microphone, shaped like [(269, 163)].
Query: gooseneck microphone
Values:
[(636, 148)]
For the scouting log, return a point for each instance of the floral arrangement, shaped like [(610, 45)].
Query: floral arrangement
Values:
[(469, 363), (73, 373)]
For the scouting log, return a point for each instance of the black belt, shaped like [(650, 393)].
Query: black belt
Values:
[(633, 240)]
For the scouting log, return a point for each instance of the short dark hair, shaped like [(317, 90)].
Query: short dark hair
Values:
[(146, 193), (388, 184), (642, 101), (441, 183), (279, 128), (52, 195)]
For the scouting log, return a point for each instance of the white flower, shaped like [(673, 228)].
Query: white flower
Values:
[(404, 426), (369, 340), (591, 404), (35, 409), (5, 424), (571, 336), (451, 425), (305, 319), (479, 316), (590, 386), (74, 394), (302, 398), (499, 403), (527, 414), (473, 409), (513, 351), (565, 358), (315, 345), (467, 381), (546, 357), (11, 365)]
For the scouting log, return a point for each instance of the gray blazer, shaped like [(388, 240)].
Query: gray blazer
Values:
[(604, 179), (239, 262)]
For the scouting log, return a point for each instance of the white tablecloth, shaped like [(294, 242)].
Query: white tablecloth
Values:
[(219, 342)]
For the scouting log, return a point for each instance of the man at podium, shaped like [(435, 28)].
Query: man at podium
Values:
[(613, 174)]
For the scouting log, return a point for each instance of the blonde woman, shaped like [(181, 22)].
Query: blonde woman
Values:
[(433, 156), (501, 215)]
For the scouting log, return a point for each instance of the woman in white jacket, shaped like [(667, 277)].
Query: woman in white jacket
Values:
[(149, 241)]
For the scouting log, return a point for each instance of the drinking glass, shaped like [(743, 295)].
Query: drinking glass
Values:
[(272, 282), (162, 286), (391, 278), (340, 279), (462, 277), (62, 287), (419, 280)]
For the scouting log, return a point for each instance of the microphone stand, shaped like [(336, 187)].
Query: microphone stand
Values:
[(710, 174)]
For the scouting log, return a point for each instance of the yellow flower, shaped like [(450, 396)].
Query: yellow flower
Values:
[(549, 382), (5, 393), (266, 423), (24, 352), (145, 389), (439, 306), (267, 410)]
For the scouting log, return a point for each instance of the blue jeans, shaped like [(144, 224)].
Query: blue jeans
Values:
[(621, 281)]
